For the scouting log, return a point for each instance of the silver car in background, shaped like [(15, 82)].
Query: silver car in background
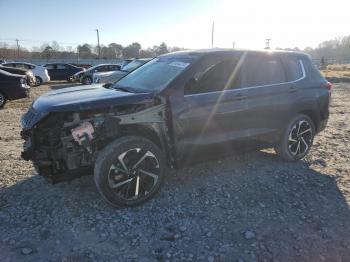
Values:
[(39, 73), (110, 77)]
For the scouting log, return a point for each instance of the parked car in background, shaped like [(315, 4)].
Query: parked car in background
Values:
[(85, 77), (2, 61), (126, 61), (61, 71), (12, 87), (166, 111), (40, 73), (30, 78), (111, 77)]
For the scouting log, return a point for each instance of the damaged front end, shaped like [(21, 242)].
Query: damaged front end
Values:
[(65, 145)]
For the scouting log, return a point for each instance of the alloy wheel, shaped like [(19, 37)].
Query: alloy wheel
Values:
[(134, 174), (300, 138)]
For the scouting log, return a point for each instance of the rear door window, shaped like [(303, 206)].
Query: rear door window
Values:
[(114, 67), (262, 69), (22, 66), (102, 68)]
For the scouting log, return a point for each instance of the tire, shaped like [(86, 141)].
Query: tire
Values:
[(297, 138), (38, 81), (2, 100), (118, 182), (87, 80)]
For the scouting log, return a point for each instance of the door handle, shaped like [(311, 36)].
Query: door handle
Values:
[(293, 89)]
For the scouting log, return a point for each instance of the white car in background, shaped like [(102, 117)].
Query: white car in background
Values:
[(111, 77), (40, 72)]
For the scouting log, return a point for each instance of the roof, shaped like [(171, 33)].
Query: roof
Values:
[(231, 50)]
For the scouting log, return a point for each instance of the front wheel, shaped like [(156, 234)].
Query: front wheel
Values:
[(129, 171), (297, 139)]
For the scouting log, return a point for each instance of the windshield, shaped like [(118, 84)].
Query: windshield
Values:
[(155, 74), (133, 65)]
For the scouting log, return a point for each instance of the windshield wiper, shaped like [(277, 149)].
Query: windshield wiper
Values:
[(124, 89)]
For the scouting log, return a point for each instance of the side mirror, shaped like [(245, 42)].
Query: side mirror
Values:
[(108, 85)]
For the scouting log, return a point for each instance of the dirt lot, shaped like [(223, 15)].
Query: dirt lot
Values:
[(248, 207)]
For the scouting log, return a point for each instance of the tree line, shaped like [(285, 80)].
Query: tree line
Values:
[(335, 50), (85, 51)]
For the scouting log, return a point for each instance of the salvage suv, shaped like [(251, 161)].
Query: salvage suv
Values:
[(170, 109)]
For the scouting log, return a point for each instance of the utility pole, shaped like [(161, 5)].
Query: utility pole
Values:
[(17, 48), (98, 44), (212, 35), (267, 43), (77, 54)]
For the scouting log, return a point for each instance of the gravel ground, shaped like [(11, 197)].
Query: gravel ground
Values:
[(247, 207)]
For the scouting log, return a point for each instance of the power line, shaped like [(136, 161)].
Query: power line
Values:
[(38, 41)]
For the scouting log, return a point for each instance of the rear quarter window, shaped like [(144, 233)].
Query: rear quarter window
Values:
[(294, 68), (312, 71)]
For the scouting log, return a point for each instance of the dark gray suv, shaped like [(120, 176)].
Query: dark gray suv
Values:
[(172, 108)]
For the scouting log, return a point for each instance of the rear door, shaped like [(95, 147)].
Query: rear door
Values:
[(63, 72), (271, 93)]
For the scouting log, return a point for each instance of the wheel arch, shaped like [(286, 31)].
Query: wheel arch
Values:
[(147, 131), (313, 116)]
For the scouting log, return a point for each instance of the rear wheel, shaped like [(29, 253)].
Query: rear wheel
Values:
[(87, 80), (297, 139), (129, 171), (2, 100)]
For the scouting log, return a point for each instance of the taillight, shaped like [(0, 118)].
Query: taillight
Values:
[(327, 85)]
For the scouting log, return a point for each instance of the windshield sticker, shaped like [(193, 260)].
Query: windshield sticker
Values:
[(179, 64)]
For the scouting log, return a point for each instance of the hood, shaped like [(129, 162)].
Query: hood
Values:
[(85, 98)]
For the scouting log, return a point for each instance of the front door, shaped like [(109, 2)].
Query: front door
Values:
[(213, 109)]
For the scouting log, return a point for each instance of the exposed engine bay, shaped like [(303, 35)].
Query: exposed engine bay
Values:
[(64, 145)]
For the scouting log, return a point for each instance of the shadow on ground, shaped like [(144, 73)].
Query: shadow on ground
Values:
[(62, 84), (250, 206)]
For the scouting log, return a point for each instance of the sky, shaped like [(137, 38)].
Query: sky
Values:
[(182, 23)]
